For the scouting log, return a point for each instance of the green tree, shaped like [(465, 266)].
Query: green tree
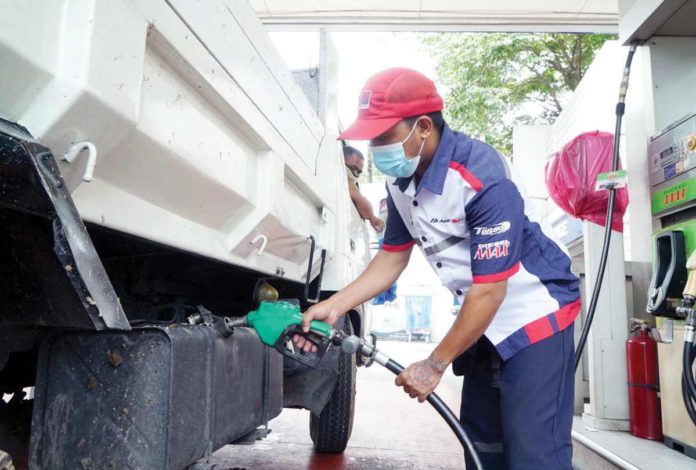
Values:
[(496, 79)]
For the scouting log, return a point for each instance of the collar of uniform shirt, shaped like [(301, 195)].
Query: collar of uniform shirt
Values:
[(434, 178)]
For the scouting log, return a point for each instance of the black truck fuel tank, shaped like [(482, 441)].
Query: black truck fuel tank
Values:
[(157, 397)]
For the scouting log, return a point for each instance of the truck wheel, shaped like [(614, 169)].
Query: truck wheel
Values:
[(5, 461), (15, 428), (331, 430)]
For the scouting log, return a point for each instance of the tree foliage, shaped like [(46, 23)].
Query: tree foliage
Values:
[(496, 79)]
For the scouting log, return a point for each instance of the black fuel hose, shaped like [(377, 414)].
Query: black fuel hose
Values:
[(620, 108), (688, 390), (688, 401), (447, 415), (687, 364), (688, 380)]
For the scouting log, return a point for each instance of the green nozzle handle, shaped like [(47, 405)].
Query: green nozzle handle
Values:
[(320, 327), (272, 319)]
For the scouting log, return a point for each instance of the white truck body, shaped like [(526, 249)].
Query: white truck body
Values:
[(204, 142)]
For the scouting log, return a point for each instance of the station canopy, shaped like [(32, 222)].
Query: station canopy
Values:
[(585, 16)]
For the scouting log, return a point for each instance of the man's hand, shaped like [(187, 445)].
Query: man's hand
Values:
[(377, 224), (381, 273), (324, 311), (420, 378)]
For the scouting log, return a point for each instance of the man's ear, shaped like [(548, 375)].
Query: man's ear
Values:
[(425, 126)]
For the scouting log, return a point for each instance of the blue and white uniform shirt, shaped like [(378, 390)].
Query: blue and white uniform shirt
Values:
[(471, 222)]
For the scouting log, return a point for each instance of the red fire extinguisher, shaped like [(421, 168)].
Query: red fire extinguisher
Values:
[(641, 362)]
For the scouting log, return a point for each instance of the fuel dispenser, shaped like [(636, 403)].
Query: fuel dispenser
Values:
[(672, 165)]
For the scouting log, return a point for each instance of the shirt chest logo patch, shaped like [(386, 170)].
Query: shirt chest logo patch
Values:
[(494, 250), (435, 220), (502, 227)]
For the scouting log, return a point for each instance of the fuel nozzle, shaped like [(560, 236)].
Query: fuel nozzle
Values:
[(690, 288), (233, 323), (349, 344), (204, 317)]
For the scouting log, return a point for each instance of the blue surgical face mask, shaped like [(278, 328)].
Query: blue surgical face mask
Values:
[(391, 159)]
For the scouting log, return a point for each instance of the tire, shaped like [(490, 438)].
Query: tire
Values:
[(5, 461), (15, 428), (331, 430)]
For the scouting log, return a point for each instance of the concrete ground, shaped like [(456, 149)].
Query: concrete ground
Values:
[(391, 431)]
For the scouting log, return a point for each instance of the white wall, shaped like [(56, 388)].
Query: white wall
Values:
[(639, 124), (529, 145), (673, 78), (529, 156)]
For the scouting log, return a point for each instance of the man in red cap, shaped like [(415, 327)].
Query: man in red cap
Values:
[(455, 198)]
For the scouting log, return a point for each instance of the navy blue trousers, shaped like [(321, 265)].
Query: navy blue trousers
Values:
[(519, 412)]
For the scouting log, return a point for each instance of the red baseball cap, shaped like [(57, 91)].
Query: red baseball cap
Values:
[(389, 97)]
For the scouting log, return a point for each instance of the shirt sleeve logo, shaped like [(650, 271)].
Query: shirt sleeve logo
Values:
[(494, 250), (502, 227)]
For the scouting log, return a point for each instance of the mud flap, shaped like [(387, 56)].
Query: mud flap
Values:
[(51, 273)]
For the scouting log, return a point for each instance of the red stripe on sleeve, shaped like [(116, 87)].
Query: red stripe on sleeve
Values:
[(501, 276), (397, 248), (473, 181)]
